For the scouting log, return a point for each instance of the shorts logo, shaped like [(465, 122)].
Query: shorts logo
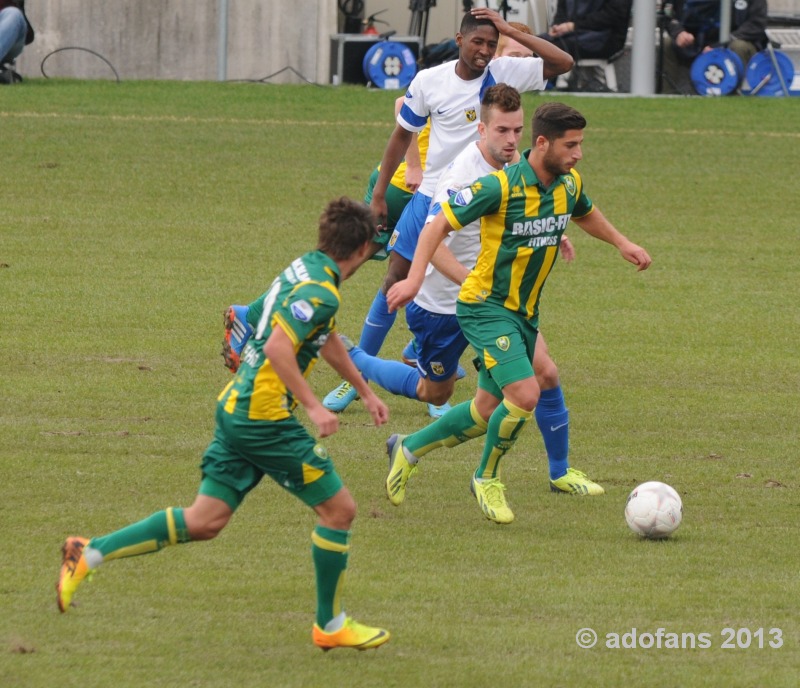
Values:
[(320, 451), (302, 311), (463, 197), (437, 368), (471, 114), (393, 238), (503, 343), (569, 182)]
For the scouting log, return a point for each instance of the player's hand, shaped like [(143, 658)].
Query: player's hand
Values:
[(567, 249), (413, 177), (636, 255), (377, 409), (493, 16), (379, 210), (400, 294), (326, 421)]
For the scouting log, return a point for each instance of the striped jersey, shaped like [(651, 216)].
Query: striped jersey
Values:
[(302, 301), (437, 293), (452, 105), (521, 227)]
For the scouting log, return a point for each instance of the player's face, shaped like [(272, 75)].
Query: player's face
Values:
[(508, 47), (564, 153), (477, 48), (501, 135)]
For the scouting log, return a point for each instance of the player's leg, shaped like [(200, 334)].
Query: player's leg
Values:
[(172, 526), (552, 417), (303, 468), (439, 343), (506, 361), (226, 480), (379, 319)]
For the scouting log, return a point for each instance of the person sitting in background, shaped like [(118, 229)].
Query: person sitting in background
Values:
[(694, 29), (590, 28), (15, 33)]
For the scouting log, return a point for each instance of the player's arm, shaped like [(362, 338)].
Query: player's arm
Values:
[(279, 349), (596, 225), (413, 160), (395, 151), (431, 236), (555, 60), (337, 357), (446, 263), (566, 249)]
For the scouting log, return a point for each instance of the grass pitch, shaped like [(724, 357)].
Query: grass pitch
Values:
[(133, 213)]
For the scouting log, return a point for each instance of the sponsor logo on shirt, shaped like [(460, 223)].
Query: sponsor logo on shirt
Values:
[(542, 225), (302, 311)]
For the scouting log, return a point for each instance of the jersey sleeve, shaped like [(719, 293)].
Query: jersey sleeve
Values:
[(523, 73), (583, 204), (309, 309), (414, 112), (482, 197)]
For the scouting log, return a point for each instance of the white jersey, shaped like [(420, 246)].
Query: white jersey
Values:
[(453, 106), (437, 293)]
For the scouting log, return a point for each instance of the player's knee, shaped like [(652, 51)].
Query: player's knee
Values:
[(436, 393), (207, 529), (547, 373)]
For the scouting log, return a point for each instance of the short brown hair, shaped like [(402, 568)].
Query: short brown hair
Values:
[(501, 96), (519, 26), (344, 227), (553, 119)]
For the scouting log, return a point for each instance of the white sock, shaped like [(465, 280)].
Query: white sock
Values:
[(93, 557), (335, 623)]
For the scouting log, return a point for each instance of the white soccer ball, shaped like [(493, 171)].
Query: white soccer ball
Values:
[(654, 510)]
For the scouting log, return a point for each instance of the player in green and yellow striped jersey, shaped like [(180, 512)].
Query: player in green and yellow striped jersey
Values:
[(524, 210), (257, 434)]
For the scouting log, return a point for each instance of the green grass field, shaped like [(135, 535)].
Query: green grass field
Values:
[(133, 213)]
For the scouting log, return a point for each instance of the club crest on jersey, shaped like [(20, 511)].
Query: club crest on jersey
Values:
[(569, 183), (302, 311), (503, 343), (437, 368), (471, 114), (463, 197)]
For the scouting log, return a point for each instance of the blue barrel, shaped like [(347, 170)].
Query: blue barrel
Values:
[(389, 64), (762, 76), (717, 72)]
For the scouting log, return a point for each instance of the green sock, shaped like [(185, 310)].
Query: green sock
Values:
[(329, 550), (505, 425), (460, 424), (163, 528)]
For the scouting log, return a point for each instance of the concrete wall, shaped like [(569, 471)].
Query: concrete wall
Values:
[(178, 39)]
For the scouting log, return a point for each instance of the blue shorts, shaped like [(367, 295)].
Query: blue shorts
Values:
[(406, 234), (439, 342)]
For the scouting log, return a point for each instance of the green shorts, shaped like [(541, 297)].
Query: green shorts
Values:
[(503, 340), (396, 200), (243, 451)]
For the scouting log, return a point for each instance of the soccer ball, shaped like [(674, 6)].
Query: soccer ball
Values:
[(654, 510)]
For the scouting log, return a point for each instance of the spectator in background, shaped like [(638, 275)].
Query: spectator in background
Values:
[(590, 28), (15, 33), (694, 29)]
